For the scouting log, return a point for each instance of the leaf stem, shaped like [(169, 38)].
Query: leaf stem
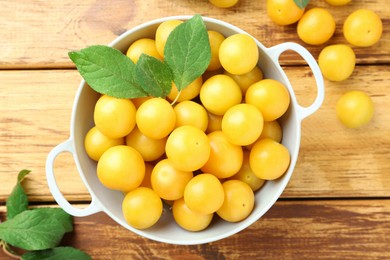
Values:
[(6, 250), (176, 98)]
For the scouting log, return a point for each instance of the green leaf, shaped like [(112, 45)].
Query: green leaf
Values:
[(57, 253), (187, 51), (63, 218), (36, 229), (107, 71), (301, 3), (17, 201), (154, 76), (22, 174)]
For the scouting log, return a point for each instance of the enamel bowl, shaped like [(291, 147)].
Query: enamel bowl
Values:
[(166, 230)]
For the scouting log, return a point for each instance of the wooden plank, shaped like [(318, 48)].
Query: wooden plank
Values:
[(326, 229), (334, 161), (40, 34), (35, 116)]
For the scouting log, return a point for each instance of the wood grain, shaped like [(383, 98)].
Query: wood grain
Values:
[(39, 34), (35, 116), (337, 203), (326, 229), (334, 161)]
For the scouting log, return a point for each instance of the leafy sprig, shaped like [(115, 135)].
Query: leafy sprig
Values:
[(38, 231), (108, 71)]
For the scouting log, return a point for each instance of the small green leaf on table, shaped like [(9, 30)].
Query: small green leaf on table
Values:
[(17, 201), (36, 229), (57, 253)]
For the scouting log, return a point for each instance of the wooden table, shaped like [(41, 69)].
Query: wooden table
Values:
[(337, 204)]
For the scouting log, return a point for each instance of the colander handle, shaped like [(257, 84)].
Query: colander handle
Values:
[(93, 208), (275, 53)]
